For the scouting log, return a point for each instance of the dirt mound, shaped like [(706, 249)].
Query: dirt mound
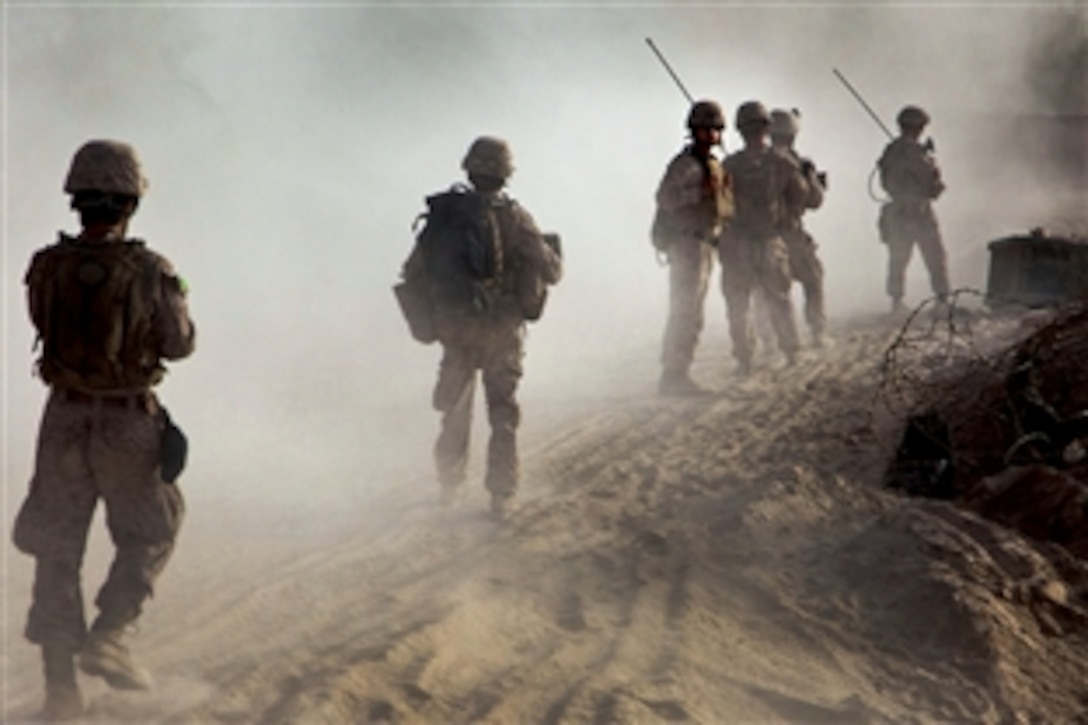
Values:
[(1002, 430), (721, 559)]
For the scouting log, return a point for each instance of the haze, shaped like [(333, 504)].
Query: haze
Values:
[(289, 148)]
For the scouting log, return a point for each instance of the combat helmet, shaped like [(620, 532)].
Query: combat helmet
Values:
[(706, 114), (108, 167), (785, 123), (752, 113), (489, 156), (912, 116)]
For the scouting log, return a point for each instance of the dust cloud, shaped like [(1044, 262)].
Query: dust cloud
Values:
[(289, 148)]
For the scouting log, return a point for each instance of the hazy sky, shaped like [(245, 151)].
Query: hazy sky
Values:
[(289, 147)]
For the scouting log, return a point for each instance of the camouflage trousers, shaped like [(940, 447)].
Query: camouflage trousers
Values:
[(495, 349), (902, 225), (87, 451), (806, 268), (691, 262), (751, 264)]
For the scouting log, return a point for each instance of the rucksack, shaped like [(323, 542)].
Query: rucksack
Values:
[(92, 306), (462, 251)]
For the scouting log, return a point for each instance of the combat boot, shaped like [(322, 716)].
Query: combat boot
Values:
[(105, 656), (449, 495), (63, 700), (942, 308), (500, 505), (744, 367), (677, 383), (898, 308)]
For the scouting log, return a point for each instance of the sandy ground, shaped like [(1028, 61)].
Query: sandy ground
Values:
[(724, 559)]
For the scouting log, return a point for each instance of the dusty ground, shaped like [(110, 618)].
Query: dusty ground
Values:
[(724, 559)]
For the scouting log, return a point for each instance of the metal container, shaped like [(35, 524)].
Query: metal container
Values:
[(1037, 270)]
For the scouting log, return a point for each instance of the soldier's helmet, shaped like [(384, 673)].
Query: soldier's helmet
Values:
[(785, 123), (489, 156), (752, 113), (706, 114), (109, 167), (912, 116)]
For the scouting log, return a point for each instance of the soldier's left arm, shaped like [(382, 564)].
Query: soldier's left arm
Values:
[(934, 174), (815, 197), (174, 329), (535, 250), (797, 187)]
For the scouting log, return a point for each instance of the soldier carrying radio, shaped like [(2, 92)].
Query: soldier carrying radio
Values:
[(909, 173)]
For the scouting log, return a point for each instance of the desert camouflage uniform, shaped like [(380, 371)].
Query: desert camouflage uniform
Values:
[(100, 438), (692, 202), (491, 343), (805, 265), (909, 173), (752, 251)]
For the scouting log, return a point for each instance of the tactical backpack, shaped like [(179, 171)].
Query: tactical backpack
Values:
[(92, 306), (462, 250), (462, 261)]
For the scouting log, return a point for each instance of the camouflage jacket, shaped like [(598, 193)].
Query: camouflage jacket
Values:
[(693, 198), (107, 314), (766, 187), (908, 171)]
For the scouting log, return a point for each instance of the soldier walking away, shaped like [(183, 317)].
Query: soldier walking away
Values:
[(909, 174), (805, 265), (485, 268), (108, 311), (693, 201), (753, 253)]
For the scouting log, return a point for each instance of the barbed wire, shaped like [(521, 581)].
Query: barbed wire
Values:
[(936, 342), (996, 387)]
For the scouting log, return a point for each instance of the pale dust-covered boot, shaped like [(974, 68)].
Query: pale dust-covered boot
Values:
[(63, 700), (500, 506), (105, 656), (678, 384)]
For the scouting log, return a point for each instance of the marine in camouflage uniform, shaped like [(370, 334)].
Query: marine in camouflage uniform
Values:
[(693, 201), (491, 342), (753, 253), (909, 174), (805, 264), (101, 431)]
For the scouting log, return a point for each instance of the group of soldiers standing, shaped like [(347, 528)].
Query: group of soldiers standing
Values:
[(747, 210), (108, 311)]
